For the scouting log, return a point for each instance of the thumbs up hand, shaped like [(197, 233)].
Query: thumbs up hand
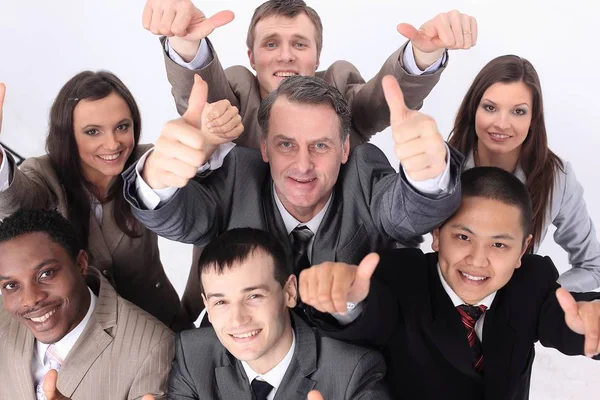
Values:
[(417, 142), (329, 286), (187, 143), (582, 318), (314, 395), (49, 386)]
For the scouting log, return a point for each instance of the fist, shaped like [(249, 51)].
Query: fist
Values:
[(418, 144)]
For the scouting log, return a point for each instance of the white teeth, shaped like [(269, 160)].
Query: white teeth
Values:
[(43, 317), (473, 278), (111, 157), (246, 335), (499, 135), (285, 74)]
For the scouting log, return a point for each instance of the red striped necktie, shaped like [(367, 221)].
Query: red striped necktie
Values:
[(469, 316)]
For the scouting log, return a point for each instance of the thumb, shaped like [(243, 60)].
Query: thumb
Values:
[(367, 266), (408, 31), (221, 18), (395, 99), (571, 309), (2, 93), (196, 103), (148, 397), (314, 395), (49, 386)]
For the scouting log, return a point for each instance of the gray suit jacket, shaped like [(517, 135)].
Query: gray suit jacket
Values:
[(370, 113), (123, 353), (132, 265), (373, 208), (575, 231), (203, 369)]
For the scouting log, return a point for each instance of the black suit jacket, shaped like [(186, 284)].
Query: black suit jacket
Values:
[(203, 369), (411, 317)]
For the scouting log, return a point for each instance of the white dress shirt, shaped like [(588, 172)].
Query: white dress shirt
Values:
[(457, 301), (204, 57), (63, 346), (276, 374)]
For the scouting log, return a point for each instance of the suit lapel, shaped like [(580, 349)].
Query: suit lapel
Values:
[(273, 219), (328, 235), (97, 244), (22, 354), (296, 382), (232, 381), (447, 329), (94, 339), (498, 346), (110, 231)]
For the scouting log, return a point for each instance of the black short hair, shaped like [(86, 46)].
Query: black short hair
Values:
[(236, 245), (498, 184), (50, 222)]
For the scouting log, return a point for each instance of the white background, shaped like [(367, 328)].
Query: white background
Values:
[(46, 42)]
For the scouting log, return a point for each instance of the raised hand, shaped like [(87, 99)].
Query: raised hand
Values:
[(582, 318), (181, 18), (451, 30), (417, 142), (329, 286), (314, 395), (187, 143), (49, 386)]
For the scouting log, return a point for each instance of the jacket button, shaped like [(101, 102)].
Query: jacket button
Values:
[(106, 272), (158, 285)]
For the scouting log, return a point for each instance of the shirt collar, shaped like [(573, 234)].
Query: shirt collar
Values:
[(64, 345), (291, 223), (276, 374), (457, 301)]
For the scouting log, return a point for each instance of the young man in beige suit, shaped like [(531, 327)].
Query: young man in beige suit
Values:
[(60, 315)]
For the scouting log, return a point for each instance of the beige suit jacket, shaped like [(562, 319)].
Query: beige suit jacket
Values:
[(370, 113), (123, 353), (132, 265)]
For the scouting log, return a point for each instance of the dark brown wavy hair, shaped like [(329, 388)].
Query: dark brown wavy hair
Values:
[(538, 162), (64, 155)]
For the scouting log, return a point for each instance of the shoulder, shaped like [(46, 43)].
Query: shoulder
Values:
[(367, 153), (342, 356), (240, 77), (341, 72), (535, 273), (199, 345), (146, 327)]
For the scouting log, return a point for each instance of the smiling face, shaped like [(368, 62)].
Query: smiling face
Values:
[(249, 310), (304, 150), (283, 47), (503, 118), (42, 286), (480, 247), (104, 135)]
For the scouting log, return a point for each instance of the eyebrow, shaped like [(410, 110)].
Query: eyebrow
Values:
[(100, 126), (244, 290), (505, 236), (289, 139), (40, 266), (516, 105), (277, 35)]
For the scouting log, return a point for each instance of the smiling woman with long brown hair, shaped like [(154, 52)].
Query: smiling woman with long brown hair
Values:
[(94, 133), (500, 123)]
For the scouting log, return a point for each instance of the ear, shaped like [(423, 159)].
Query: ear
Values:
[(435, 244), (346, 150), (206, 306), (82, 262), (263, 149), (251, 59), (524, 249), (291, 291)]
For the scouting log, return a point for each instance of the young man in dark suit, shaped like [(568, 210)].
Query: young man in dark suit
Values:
[(461, 323), (258, 349)]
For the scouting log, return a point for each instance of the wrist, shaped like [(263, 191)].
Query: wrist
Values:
[(149, 177), (425, 60), (187, 49)]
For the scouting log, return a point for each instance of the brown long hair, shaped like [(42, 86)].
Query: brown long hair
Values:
[(538, 162), (64, 155)]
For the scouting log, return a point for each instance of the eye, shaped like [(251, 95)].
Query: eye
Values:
[(489, 108), (300, 45), (9, 286), (499, 245), (255, 296), (92, 132), (123, 127), (271, 45), (285, 145), (321, 146), (520, 111), (49, 273), (462, 236), (219, 303)]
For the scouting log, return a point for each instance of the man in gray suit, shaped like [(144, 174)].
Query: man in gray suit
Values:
[(258, 349), (304, 186), (56, 314)]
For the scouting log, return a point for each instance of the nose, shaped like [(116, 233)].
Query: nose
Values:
[(239, 315), (304, 160), (31, 295), (110, 142), (286, 53), (478, 257), (502, 120)]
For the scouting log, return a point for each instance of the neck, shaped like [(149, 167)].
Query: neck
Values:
[(483, 157), (303, 214), (276, 354)]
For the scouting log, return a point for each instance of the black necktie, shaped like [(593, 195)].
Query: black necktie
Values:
[(469, 316), (300, 239), (261, 389)]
